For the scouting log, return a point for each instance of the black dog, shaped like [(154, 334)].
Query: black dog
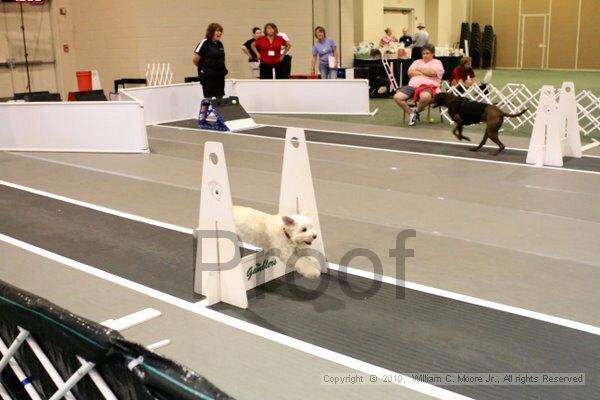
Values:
[(467, 112)]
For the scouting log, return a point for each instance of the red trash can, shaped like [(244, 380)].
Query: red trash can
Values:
[(84, 80)]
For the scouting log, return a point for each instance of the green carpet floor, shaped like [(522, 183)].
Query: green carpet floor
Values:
[(390, 114)]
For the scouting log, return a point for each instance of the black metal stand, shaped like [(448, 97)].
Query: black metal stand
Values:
[(25, 49)]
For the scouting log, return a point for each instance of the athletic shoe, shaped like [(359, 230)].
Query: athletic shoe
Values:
[(413, 118)]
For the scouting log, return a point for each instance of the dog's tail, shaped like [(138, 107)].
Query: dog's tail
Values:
[(514, 115)]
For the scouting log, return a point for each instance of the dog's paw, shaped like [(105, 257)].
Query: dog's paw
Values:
[(310, 273), (308, 268), (474, 149), (466, 138)]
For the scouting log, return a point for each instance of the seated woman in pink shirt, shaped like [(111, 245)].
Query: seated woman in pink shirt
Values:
[(388, 38), (425, 77)]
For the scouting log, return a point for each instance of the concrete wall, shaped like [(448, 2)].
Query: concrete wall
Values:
[(369, 25), (337, 17), (442, 18), (432, 19), (119, 38), (571, 30), (40, 47)]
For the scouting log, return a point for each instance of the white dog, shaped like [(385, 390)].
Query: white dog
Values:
[(288, 234)]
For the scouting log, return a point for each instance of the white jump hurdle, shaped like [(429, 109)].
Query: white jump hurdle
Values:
[(556, 130), (220, 273)]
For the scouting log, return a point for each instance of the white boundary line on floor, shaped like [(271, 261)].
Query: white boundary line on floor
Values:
[(103, 171), (201, 309), (464, 144), (353, 271), (332, 356), (472, 144), (398, 137), (469, 299), (99, 208), (138, 287), (395, 151)]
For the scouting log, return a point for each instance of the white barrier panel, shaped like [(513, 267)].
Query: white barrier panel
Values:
[(304, 96), (216, 215), (568, 121), (297, 193), (167, 103), (545, 147), (113, 127), (170, 102), (219, 273), (284, 96)]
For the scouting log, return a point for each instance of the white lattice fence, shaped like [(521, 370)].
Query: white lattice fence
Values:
[(513, 97), (588, 111)]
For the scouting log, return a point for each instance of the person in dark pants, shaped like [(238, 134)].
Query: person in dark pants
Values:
[(420, 39), (209, 57), (286, 63), (247, 49), (269, 49)]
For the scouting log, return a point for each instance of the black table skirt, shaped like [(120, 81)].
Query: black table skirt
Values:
[(400, 68)]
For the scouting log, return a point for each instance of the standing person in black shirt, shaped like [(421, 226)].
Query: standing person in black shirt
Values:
[(247, 49), (209, 57), (406, 38)]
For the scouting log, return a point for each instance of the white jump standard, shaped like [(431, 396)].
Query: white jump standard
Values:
[(556, 130), (221, 274)]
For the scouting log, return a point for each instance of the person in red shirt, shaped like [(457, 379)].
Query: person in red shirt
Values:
[(464, 74), (268, 50)]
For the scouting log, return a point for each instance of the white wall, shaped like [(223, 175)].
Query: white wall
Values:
[(450, 15), (40, 48), (441, 17), (373, 24), (327, 15), (119, 38), (417, 5), (459, 13)]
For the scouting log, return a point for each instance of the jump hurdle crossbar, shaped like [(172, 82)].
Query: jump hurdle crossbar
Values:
[(220, 273)]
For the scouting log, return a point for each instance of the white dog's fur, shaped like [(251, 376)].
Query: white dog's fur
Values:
[(288, 234)]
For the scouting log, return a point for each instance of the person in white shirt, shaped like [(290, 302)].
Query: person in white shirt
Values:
[(286, 63)]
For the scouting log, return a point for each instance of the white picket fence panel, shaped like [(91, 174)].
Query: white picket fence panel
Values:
[(513, 97)]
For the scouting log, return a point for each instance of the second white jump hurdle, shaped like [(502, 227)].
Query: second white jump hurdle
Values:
[(221, 274), (556, 130)]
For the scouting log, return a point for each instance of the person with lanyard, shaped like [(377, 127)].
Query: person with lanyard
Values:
[(209, 57), (269, 49), (420, 39), (324, 49), (247, 49)]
